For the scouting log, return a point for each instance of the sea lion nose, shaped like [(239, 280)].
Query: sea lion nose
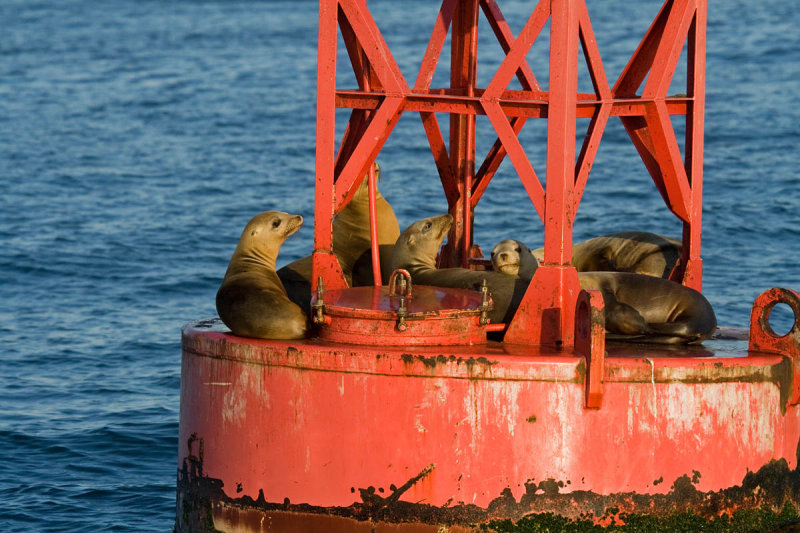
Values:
[(504, 256)]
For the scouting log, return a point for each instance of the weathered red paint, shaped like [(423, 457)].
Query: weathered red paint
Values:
[(764, 339), (314, 422), (590, 342), (430, 316)]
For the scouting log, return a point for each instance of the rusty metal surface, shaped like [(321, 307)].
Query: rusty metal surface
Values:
[(471, 430), (764, 339), (206, 508)]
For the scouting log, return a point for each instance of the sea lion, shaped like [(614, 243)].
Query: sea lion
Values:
[(351, 231), (416, 250), (252, 301), (351, 245), (644, 308), (513, 258), (639, 252)]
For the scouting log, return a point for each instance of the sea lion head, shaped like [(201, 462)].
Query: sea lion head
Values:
[(513, 258), (420, 242), (263, 236)]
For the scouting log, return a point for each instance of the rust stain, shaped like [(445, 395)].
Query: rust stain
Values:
[(201, 501)]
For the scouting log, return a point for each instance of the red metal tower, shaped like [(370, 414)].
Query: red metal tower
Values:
[(546, 315)]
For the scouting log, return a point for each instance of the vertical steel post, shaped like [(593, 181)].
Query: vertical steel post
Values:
[(463, 74), (696, 84), (373, 228), (324, 263), (547, 312)]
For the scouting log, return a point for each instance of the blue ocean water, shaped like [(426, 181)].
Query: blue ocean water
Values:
[(137, 137)]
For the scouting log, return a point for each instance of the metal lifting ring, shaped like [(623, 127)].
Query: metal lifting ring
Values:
[(318, 307), (405, 294), (405, 283)]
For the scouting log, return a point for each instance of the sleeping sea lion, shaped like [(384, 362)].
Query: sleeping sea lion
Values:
[(416, 250), (644, 308), (252, 301), (639, 252), (513, 258), (351, 245)]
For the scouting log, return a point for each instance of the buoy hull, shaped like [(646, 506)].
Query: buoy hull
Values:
[(461, 435)]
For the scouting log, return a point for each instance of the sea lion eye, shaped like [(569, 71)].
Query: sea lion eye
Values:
[(517, 249), (428, 225), (276, 223)]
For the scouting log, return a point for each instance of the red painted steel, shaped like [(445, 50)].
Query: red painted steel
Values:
[(764, 339), (590, 342), (431, 316), (315, 423), (373, 230), (547, 312)]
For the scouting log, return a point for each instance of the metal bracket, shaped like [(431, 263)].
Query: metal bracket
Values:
[(486, 303), (590, 342), (764, 339), (404, 288), (318, 307)]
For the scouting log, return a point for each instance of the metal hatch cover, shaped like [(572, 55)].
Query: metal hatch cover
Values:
[(429, 316)]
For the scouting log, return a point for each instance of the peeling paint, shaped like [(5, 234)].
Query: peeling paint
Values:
[(767, 497), (498, 419)]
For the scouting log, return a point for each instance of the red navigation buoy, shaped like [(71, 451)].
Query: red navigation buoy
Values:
[(400, 413)]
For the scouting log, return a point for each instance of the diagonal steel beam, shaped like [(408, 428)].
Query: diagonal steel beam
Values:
[(492, 162), (505, 37), (435, 45), (371, 40), (668, 156), (516, 153), (380, 127), (669, 49), (518, 50), (642, 59), (440, 156), (599, 120)]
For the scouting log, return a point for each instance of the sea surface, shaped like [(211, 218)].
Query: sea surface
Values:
[(137, 137)]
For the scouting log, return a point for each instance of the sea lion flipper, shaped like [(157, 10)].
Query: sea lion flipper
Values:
[(674, 333), (623, 319)]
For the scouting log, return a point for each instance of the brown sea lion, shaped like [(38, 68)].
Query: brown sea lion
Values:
[(513, 258), (351, 245), (416, 250), (643, 308), (639, 252), (351, 232), (252, 301)]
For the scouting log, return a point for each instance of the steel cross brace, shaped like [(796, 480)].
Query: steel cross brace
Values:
[(383, 95)]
